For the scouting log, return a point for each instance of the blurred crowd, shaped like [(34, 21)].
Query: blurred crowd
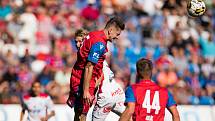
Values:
[(37, 44)]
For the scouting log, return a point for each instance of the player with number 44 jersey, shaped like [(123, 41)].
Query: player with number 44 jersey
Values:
[(146, 101)]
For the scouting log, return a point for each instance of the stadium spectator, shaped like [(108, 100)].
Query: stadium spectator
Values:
[(45, 77), (167, 76), (10, 75), (5, 9)]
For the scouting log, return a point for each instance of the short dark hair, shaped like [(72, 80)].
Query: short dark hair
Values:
[(144, 67), (116, 21), (34, 82), (31, 92), (80, 33)]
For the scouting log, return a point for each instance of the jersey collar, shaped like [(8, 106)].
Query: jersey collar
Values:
[(103, 35), (146, 81)]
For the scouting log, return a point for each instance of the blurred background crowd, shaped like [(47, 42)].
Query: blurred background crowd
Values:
[(37, 44)]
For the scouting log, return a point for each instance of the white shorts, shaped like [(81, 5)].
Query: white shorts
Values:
[(112, 99)]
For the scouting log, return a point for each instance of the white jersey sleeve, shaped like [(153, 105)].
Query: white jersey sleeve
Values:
[(49, 104)]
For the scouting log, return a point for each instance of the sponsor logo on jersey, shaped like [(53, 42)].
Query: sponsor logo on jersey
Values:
[(101, 46), (95, 55), (118, 91)]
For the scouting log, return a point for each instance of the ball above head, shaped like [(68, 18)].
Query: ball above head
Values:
[(196, 8)]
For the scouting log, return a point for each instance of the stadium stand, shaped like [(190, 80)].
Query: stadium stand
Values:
[(36, 43)]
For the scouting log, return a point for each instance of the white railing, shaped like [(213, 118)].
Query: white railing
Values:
[(64, 113)]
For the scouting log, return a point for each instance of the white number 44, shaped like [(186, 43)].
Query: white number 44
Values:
[(155, 102)]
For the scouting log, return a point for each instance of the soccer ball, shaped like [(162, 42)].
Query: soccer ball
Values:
[(196, 8)]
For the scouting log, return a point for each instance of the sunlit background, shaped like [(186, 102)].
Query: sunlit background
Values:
[(37, 44)]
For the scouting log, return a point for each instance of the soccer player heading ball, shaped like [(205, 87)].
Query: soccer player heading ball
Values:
[(196, 8), (146, 101), (89, 66)]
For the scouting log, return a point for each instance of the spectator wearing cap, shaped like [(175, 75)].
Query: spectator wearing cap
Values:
[(90, 14)]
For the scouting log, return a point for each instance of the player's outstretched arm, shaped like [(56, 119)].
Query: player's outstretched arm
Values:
[(87, 77), (126, 115), (175, 115), (22, 114)]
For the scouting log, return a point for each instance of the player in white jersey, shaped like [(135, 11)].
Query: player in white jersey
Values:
[(39, 105), (110, 97)]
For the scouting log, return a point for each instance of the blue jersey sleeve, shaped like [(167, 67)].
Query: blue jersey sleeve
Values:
[(129, 95), (96, 51), (171, 100)]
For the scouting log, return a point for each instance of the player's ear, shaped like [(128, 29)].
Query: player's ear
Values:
[(109, 31)]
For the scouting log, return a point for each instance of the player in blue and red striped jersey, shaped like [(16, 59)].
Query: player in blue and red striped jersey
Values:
[(146, 101), (89, 66)]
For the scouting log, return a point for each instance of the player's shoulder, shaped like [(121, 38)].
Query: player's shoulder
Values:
[(92, 34), (130, 90), (161, 89), (27, 97), (149, 85), (97, 35), (141, 84), (43, 95), (164, 89), (135, 86)]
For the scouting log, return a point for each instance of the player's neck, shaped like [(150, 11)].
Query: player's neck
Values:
[(146, 78), (142, 79), (34, 94)]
